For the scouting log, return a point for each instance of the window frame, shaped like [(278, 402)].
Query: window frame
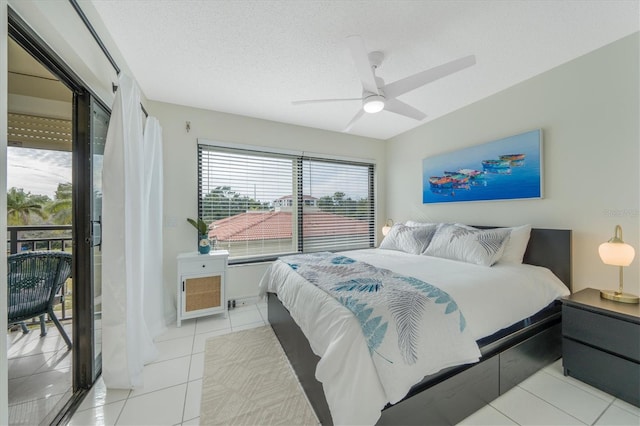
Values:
[(298, 157)]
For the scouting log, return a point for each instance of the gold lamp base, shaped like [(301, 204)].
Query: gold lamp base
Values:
[(619, 297)]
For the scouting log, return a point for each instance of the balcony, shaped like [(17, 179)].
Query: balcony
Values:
[(39, 238), (39, 368)]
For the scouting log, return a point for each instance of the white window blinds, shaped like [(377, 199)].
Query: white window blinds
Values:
[(338, 205), (262, 205)]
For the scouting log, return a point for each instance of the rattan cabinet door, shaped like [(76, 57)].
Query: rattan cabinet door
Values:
[(202, 293)]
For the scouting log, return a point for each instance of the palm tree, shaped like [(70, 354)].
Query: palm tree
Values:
[(60, 207), (21, 205)]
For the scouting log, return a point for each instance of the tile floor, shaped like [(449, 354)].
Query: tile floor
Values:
[(172, 386), (39, 372)]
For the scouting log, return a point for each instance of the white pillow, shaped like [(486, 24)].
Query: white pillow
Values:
[(408, 239), (517, 245), (461, 242), (414, 223)]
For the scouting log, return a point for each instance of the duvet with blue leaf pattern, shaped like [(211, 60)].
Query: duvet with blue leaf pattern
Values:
[(411, 328)]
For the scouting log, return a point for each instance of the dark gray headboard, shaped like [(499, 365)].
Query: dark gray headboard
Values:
[(550, 248)]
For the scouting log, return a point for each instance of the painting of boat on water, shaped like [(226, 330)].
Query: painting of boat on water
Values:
[(504, 169)]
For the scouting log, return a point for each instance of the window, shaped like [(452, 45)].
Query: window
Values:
[(265, 204)]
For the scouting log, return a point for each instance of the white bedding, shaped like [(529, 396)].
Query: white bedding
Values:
[(490, 299)]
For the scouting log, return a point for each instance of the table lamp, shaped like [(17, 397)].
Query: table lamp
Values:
[(387, 227), (616, 252)]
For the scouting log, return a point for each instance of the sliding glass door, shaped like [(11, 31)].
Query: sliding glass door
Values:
[(92, 123), (89, 122)]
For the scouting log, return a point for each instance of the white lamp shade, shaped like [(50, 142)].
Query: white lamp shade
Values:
[(385, 230), (618, 254)]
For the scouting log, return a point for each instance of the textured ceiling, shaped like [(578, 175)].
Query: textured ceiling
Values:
[(254, 57)]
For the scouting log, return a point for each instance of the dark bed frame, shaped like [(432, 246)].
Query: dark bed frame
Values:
[(447, 397)]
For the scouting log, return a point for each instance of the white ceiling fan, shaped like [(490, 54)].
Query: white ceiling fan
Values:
[(378, 96)]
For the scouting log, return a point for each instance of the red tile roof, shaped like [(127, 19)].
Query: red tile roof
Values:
[(277, 225)]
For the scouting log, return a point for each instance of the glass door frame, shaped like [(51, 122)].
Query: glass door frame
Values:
[(83, 185), (83, 369)]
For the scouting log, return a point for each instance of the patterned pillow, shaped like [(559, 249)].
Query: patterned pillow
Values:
[(408, 239), (460, 242), (415, 223)]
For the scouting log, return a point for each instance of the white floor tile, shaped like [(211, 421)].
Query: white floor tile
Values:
[(25, 366), (35, 346), (39, 386), (192, 400), (212, 323), (626, 406), (192, 422), (100, 395), (488, 416), (197, 366), (200, 339), (248, 326), (264, 313), (617, 416), (188, 328), (163, 407), (60, 360), (162, 375), (527, 409), (556, 370), (243, 316), (103, 415), (569, 398), (33, 411), (174, 348)]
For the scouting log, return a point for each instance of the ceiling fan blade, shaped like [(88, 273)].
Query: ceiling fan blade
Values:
[(317, 101), (399, 107), (363, 66), (412, 82), (353, 120)]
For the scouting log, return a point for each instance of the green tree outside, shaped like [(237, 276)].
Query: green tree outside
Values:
[(60, 207), (23, 206)]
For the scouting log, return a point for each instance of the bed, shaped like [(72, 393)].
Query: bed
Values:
[(506, 356)]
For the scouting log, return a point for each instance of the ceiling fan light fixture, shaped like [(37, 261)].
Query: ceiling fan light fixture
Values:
[(373, 104)]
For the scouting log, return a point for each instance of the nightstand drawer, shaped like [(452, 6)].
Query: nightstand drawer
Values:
[(205, 266), (617, 376), (610, 334)]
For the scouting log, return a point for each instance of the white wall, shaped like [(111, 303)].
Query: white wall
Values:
[(181, 172), (588, 110)]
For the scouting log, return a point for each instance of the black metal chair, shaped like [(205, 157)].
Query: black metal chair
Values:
[(33, 281)]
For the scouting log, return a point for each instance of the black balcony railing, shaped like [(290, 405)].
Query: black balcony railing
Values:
[(42, 237)]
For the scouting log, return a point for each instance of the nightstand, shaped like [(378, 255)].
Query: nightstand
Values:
[(201, 284), (601, 343)]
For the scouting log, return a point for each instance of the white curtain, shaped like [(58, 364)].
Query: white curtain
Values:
[(153, 279), (127, 342)]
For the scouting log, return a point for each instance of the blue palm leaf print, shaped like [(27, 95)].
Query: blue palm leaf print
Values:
[(373, 329), (359, 284), (440, 297), (342, 260), (407, 309)]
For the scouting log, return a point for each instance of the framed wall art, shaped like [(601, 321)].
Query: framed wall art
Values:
[(504, 169)]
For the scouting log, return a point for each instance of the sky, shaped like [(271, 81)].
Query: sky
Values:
[(37, 171)]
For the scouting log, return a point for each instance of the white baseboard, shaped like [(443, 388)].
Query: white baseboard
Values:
[(251, 300)]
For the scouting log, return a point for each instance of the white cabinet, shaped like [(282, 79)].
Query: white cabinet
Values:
[(201, 284)]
